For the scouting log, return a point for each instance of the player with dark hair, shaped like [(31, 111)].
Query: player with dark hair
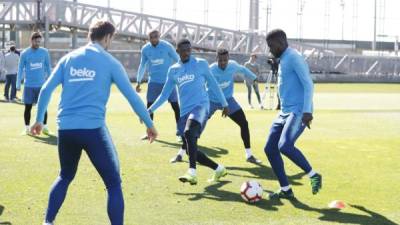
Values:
[(190, 76), (223, 71), (35, 64), (156, 57), (86, 85), (296, 93)]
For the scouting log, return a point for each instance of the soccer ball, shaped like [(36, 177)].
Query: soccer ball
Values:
[(251, 191)]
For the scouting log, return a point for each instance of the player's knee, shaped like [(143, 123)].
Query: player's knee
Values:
[(149, 104), (189, 134), (28, 108), (112, 181), (183, 145), (175, 105), (266, 149), (68, 173), (66, 178), (244, 124), (113, 185), (285, 147), (192, 131), (270, 148)]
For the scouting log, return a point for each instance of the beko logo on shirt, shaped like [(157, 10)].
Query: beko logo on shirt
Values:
[(185, 79), (35, 66), (224, 85), (156, 62), (81, 74)]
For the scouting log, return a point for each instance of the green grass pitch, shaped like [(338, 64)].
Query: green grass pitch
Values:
[(354, 142)]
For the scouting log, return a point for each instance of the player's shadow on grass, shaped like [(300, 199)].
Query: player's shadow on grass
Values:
[(15, 102), (214, 152), (18, 103), (1, 212), (213, 192), (334, 215), (50, 139), (263, 172)]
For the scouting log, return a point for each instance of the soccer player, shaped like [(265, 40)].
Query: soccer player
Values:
[(34, 62), (255, 68), (86, 76), (223, 72), (157, 56), (11, 60), (190, 75), (296, 93)]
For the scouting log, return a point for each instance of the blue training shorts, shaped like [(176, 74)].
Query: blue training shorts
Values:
[(30, 95), (154, 90), (233, 106), (199, 114)]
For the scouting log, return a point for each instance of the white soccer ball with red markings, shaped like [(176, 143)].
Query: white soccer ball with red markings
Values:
[(251, 191)]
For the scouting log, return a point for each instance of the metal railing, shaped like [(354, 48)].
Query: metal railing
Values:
[(59, 13)]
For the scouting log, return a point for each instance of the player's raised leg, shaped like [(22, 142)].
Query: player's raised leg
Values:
[(292, 129), (192, 132), (275, 159)]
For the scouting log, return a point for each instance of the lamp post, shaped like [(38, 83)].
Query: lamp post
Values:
[(374, 40)]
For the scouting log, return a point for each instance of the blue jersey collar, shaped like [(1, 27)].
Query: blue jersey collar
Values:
[(34, 49), (226, 68), (96, 45), (285, 53), (191, 58)]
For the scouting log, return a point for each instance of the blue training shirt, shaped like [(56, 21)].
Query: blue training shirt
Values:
[(295, 83), (35, 65), (157, 59), (86, 75), (190, 78), (225, 78)]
